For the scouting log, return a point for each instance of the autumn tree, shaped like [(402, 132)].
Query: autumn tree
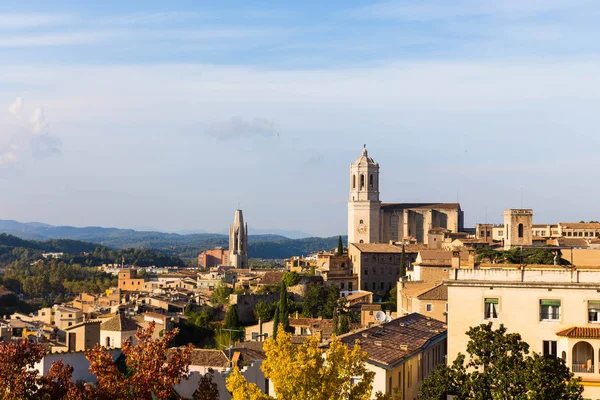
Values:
[(152, 369), (20, 381), (302, 372), (500, 367)]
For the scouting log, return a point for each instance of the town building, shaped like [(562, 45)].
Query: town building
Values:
[(402, 353), (555, 310), (371, 221), (376, 265), (213, 258), (129, 281)]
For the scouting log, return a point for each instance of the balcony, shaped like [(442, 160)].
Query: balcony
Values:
[(582, 368)]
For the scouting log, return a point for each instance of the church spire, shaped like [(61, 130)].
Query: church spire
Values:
[(238, 241)]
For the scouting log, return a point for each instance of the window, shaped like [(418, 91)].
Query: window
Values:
[(366, 271), (520, 228), (353, 181), (366, 287), (490, 308), (594, 311), (429, 307), (361, 222), (500, 233), (371, 181), (550, 348), (389, 379), (362, 182), (381, 286), (350, 286), (374, 287), (549, 310), (342, 285)]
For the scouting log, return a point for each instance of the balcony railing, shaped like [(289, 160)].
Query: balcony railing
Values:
[(582, 368)]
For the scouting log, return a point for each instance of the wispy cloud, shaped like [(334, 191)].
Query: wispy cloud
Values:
[(428, 10), (237, 128), (21, 138), (31, 20)]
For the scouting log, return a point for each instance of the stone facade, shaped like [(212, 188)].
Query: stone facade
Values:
[(517, 227), (238, 242), (370, 221), (376, 265)]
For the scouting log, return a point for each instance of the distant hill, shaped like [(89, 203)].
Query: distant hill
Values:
[(187, 246)]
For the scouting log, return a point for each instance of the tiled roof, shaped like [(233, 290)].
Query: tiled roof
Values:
[(415, 288), (271, 278), (311, 322), (377, 248), (119, 323), (92, 322), (391, 343), (209, 358), (580, 333), (439, 292)]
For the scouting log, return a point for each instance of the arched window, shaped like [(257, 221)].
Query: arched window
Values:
[(361, 241), (371, 181), (583, 358), (362, 181), (520, 230), (353, 181), (361, 222)]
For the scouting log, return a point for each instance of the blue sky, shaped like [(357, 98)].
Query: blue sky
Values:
[(168, 115)]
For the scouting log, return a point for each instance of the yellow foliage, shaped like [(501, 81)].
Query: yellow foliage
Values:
[(309, 372)]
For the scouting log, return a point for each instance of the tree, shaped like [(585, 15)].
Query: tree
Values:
[(232, 322), (393, 294), (403, 262), (283, 308), (220, 295), (301, 372), (263, 311), (276, 321), (291, 278), (152, 369), (207, 388), (340, 246), (499, 367)]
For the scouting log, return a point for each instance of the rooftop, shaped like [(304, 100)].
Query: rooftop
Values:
[(401, 206), (394, 342), (580, 333), (377, 248), (119, 323)]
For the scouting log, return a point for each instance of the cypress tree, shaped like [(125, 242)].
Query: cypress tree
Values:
[(402, 263), (283, 308), (340, 248), (276, 322)]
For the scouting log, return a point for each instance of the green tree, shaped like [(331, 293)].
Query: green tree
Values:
[(283, 308), (393, 294), (220, 295), (340, 246), (207, 387), (232, 322), (290, 278), (403, 262), (500, 367), (276, 321), (263, 311)]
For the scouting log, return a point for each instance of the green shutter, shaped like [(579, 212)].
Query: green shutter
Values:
[(491, 301), (594, 304), (554, 303)]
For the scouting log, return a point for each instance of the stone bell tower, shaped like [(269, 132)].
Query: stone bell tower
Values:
[(364, 204), (517, 227), (238, 241)]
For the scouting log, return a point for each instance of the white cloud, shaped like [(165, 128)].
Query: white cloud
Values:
[(15, 107), (20, 140), (237, 128)]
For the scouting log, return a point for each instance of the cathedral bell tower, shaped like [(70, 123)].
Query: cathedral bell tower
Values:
[(364, 204)]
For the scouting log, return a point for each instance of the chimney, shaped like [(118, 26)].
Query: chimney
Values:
[(471, 262), (455, 258), (404, 347)]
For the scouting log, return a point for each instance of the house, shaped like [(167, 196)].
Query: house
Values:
[(82, 336), (427, 298), (114, 331), (402, 353)]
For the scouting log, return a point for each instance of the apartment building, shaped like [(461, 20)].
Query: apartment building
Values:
[(556, 311)]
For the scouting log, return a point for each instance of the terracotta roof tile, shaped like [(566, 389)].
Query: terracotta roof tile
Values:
[(119, 323), (389, 344), (439, 292), (581, 332), (377, 248), (271, 278)]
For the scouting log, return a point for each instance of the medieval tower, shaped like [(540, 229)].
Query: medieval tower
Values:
[(517, 227), (364, 204), (238, 242)]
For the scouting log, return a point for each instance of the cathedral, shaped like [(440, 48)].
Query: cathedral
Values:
[(371, 221)]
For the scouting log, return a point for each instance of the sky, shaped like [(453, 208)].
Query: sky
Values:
[(170, 115)]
